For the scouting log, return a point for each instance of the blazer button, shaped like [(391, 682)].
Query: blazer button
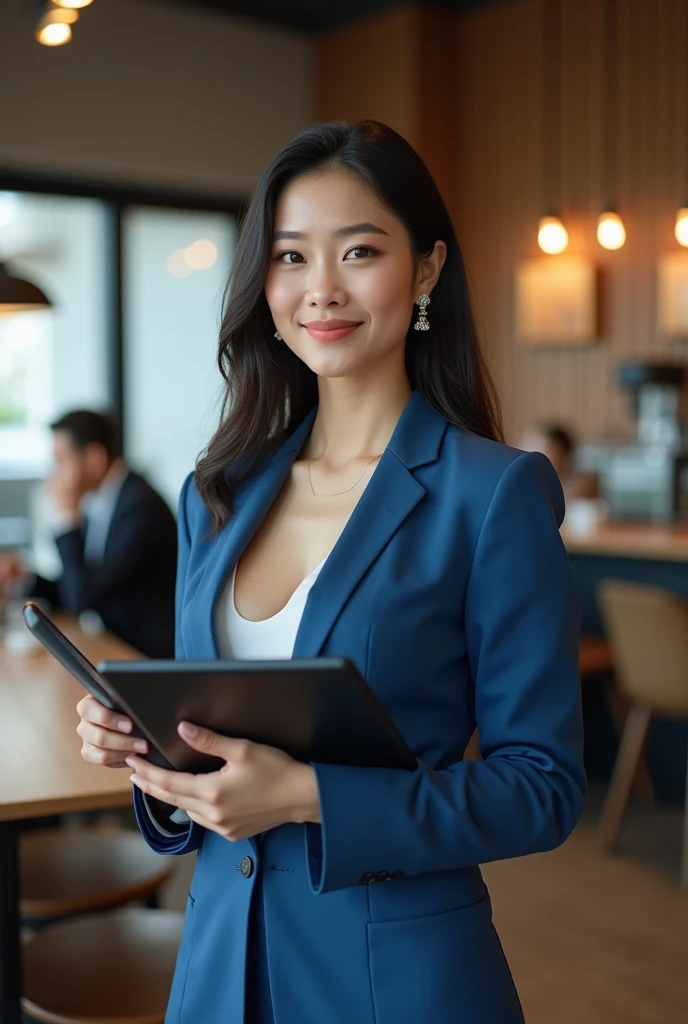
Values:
[(368, 878), (383, 876), (397, 874), (246, 867)]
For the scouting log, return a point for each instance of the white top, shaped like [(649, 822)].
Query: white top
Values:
[(99, 508), (239, 638)]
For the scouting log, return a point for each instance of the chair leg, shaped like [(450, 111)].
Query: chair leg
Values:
[(618, 708), (684, 850), (630, 753)]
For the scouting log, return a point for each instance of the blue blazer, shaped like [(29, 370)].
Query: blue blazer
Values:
[(451, 591)]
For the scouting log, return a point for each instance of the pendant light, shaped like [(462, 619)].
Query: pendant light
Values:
[(611, 233), (552, 235), (20, 296), (681, 229)]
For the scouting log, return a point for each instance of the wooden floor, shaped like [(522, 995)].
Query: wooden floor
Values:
[(594, 939), (591, 939)]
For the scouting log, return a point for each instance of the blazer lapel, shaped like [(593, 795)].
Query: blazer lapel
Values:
[(391, 495), (252, 502)]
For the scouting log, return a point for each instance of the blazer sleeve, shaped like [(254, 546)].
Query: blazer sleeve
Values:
[(154, 818), (522, 620), (84, 586)]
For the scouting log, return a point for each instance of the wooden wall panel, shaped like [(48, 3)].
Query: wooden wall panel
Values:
[(500, 196), (398, 67), (368, 70)]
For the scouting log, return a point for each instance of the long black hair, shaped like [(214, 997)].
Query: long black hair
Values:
[(269, 390)]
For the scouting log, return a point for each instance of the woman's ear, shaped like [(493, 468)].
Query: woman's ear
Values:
[(429, 269)]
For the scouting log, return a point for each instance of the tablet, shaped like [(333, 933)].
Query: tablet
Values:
[(315, 709)]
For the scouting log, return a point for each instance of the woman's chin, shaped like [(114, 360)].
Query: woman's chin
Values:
[(333, 366)]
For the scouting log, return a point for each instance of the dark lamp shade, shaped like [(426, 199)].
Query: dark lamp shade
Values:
[(20, 296)]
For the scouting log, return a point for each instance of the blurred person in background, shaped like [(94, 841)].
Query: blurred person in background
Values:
[(116, 537), (558, 444)]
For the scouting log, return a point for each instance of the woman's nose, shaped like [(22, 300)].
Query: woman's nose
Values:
[(324, 287)]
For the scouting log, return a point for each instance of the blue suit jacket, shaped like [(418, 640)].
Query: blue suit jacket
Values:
[(451, 591)]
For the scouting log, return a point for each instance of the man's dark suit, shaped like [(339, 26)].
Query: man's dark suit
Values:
[(132, 589)]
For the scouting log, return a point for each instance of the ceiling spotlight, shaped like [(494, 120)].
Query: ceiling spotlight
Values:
[(73, 5), (53, 33), (55, 26)]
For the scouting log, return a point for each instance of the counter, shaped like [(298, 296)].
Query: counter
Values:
[(630, 540)]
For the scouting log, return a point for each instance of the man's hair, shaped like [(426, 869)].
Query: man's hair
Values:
[(85, 427), (560, 436)]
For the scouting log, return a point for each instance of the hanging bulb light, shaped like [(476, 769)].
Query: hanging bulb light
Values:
[(552, 235), (73, 5), (611, 233), (681, 229)]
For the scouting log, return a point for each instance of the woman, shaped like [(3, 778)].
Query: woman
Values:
[(356, 500)]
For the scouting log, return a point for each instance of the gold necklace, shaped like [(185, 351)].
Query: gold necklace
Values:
[(333, 494)]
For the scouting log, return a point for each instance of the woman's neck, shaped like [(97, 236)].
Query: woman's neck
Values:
[(356, 418)]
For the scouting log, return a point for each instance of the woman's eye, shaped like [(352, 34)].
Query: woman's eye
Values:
[(360, 252), (290, 256)]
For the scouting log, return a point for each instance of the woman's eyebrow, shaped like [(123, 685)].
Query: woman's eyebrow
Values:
[(365, 228)]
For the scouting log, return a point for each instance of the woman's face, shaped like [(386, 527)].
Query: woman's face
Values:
[(342, 280)]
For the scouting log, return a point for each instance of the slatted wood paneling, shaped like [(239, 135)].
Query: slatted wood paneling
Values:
[(500, 191)]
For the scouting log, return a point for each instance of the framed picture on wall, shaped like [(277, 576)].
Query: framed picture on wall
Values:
[(556, 302), (672, 295)]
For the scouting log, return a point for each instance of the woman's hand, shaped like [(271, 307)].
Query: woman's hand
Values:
[(258, 787), (104, 735)]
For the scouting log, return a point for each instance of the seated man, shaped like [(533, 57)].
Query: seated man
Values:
[(116, 537), (557, 443)]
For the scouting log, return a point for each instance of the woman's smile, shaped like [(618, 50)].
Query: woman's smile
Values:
[(331, 330)]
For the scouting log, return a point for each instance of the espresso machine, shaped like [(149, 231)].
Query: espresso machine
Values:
[(648, 480)]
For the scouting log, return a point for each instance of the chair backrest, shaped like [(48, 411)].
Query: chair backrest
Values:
[(648, 630)]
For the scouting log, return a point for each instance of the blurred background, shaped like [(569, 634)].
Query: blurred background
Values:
[(131, 135)]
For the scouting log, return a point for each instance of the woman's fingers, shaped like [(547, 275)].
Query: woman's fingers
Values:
[(91, 710), (101, 756), (105, 735), (97, 736)]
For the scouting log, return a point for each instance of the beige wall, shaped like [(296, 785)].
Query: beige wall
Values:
[(151, 92), (499, 192)]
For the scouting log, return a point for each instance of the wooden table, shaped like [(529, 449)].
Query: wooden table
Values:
[(42, 773)]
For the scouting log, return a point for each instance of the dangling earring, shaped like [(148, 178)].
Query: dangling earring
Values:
[(421, 324), (278, 336)]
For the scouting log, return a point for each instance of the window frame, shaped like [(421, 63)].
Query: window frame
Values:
[(116, 199)]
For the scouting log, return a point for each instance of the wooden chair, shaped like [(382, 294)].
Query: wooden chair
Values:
[(648, 631), (596, 663), (69, 871), (111, 968)]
